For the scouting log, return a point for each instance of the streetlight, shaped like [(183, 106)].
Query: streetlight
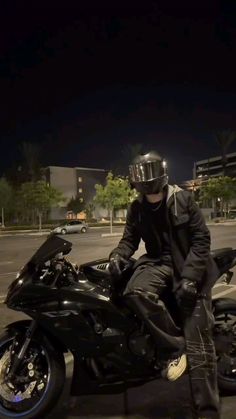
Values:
[(3, 220)]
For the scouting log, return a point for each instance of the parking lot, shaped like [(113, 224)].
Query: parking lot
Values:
[(159, 399)]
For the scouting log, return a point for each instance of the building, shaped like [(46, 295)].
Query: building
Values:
[(213, 167), (206, 169), (73, 182)]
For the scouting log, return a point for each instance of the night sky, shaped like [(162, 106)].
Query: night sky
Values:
[(85, 81)]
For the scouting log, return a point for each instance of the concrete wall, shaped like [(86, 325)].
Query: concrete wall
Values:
[(89, 177), (100, 213), (207, 213), (64, 179), (58, 213), (121, 214)]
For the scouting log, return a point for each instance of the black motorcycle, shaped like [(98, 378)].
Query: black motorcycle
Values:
[(81, 310)]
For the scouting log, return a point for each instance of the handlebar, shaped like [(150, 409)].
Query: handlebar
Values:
[(59, 272)]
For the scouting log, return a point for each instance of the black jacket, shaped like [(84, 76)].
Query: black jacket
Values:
[(189, 237)]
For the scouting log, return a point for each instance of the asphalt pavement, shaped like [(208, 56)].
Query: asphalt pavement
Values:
[(159, 399)]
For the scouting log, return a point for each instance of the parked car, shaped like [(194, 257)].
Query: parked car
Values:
[(232, 214), (72, 226)]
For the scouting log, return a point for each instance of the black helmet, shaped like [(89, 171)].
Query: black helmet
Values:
[(148, 173)]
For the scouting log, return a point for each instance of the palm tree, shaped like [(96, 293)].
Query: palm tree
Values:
[(31, 155), (225, 139)]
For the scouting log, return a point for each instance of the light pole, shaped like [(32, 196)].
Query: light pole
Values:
[(3, 221)]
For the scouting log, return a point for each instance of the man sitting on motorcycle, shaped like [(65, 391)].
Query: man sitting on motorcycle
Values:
[(177, 261)]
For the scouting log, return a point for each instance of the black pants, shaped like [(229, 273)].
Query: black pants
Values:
[(145, 293)]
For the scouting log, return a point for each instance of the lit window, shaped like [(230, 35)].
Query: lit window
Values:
[(80, 190), (80, 179), (81, 200)]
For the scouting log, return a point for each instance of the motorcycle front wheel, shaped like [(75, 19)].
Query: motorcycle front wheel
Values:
[(225, 343), (34, 389)]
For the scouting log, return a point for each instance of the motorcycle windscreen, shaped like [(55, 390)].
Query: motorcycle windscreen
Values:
[(47, 251)]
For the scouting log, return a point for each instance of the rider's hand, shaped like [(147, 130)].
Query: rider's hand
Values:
[(116, 264), (186, 293)]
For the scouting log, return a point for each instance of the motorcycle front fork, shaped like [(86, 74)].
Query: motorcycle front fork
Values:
[(19, 357)]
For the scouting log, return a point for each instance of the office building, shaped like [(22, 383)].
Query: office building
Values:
[(73, 182), (213, 167)]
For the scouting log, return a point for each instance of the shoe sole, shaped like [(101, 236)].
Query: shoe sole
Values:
[(178, 371)]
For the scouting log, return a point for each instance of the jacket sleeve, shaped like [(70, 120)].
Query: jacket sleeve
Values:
[(200, 242), (131, 236)]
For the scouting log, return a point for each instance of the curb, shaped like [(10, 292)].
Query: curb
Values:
[(8, 233), (227, 223), (30, 230), (24, 234)]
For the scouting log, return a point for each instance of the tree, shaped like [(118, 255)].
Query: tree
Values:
[(25, 208), (45, 197), (225, 139), (76, 205), (5, 198), (222, 189), (115, 194), (36, 198), (89, 209)]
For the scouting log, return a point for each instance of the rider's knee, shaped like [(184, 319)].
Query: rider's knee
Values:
[(142, 294)]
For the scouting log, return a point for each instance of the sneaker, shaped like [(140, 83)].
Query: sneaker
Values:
[(175, 368)]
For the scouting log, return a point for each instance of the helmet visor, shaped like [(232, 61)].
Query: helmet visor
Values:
[(143, 172)]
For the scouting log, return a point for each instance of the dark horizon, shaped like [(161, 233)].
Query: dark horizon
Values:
[(85, 81)]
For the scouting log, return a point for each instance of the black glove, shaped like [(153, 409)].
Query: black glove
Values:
[(116, 265), (186, 293)]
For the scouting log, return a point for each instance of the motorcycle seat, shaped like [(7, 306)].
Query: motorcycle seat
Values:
[(220, 252), (225, 258)]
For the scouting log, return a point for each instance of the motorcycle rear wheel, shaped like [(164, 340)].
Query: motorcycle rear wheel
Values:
[(35, 388), (225, 338)]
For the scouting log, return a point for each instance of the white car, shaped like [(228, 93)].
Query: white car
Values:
[(73, 226)]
